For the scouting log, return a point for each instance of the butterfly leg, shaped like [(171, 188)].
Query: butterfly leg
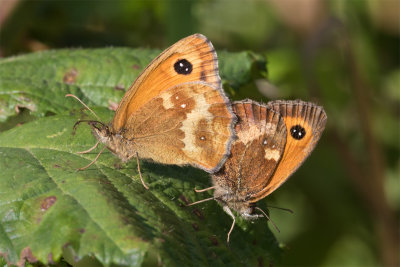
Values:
[(229, 212), (200, 201), (203, 190), (87, 166), (90, 149), (140, 173)]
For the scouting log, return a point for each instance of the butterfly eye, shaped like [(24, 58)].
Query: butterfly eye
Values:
[(183, 66), (297, 132)]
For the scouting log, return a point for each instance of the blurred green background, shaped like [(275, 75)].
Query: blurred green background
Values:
[(341, 54)]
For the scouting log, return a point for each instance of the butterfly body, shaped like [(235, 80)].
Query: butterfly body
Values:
[(176, 111), (273, 141)]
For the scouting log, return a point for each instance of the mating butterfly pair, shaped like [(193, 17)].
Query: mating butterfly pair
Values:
[(176, 112)]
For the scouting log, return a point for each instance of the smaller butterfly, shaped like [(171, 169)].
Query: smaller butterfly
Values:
[(273, 141)]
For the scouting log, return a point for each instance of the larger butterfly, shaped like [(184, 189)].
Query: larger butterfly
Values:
[(176, 111), (273, 141)]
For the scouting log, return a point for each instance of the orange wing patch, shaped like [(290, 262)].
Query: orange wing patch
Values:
[(190, 59), (305, 123)]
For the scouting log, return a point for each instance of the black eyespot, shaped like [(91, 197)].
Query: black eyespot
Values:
[(183, 66), (297, 132)]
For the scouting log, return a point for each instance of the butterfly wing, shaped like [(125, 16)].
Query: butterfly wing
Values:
[(186, 124), (176, 111), (256, 152), (305, 123), (190, 59)]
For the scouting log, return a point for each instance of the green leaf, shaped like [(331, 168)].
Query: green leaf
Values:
[(99, 77), (102, 214), (47, 206)]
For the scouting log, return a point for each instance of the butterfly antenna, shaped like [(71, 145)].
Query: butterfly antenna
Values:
[(98, 155), (269, 219), (140, 173), (80, 101), (203, 190), (229, 212), (279, 208)]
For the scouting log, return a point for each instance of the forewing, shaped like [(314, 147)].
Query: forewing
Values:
[(190, 59)]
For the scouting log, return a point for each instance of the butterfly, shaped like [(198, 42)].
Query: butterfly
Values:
[(175, 112), (273, 141)]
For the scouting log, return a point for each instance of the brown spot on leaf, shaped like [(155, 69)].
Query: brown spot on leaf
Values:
[(184, 199), (161, 240), (198, 214), (195, 227), (135, 66), (119, 87), (118, 165), (70, 76), (56, 166), (112, 105), (17, 109), (27, 105), (82, 230), (26, 255), (50, 258), (260, 262), (48, 202), (213, 240)]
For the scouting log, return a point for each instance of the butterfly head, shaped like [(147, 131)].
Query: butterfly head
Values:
[(235, 202), (101, 131), (123, 148)]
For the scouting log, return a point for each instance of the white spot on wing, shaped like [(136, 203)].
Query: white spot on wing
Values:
[(166, 97), (183, 106), (272, 154), (253, 132)]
